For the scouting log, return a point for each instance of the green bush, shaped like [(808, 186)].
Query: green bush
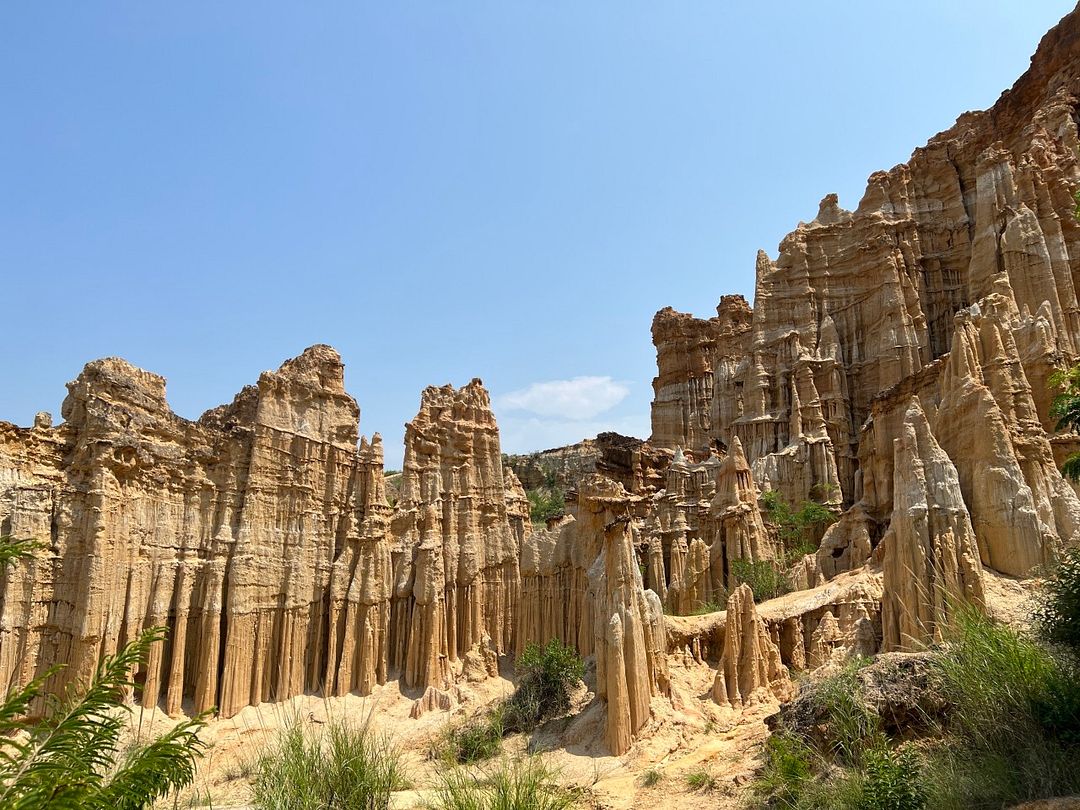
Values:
[(892, 781), (476, 740), (789, 768), (343, 767), (797, 529), (763, 577), (522, 785), (850, 727), (1059, 615), (1065, 407), (545, 503), (848, 764), (71, 758), (1015, 728), (546, 677)]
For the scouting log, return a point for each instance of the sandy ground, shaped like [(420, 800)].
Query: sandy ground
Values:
[(686, 734)]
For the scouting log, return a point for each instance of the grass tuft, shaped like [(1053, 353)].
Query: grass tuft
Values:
[(341, 766), (525, 784), (473, 741), (701, 780), (651, 777)]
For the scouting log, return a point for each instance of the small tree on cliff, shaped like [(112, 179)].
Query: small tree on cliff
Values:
[(1066, 409)]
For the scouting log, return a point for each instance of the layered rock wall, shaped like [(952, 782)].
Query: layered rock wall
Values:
[(257, 534), (954, 281)]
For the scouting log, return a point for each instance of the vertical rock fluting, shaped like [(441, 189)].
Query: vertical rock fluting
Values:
[(930, 555), (750, 668), (954, 280), (742, 534), (630, 639), (859, 301), (456, 555), (256, 535)]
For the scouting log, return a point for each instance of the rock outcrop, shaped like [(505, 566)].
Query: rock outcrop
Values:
[(750, 667), (630, 639), (955, 282), (257, 535), (455, 556), (930, 555)]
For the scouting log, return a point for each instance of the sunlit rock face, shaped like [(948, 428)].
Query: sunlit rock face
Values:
[(954, 282), (455, 556), (258, 535), (894, 369)]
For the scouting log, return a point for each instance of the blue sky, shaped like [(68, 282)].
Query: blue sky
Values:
[(440, 190)]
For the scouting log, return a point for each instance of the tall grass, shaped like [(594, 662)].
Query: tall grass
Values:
[(340, 767), (525, 784), (1014, 733), (1011, 734)]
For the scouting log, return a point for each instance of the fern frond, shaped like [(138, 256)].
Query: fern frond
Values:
[(75, 744), (154, 770), (13, 550)]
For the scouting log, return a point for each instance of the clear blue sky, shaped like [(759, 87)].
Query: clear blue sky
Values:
[(440, 190)]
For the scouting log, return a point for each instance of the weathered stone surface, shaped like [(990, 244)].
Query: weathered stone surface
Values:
[(455, 554), (257, 534), (930, 555), (630, 647), (632, 462), (750, 665), (954, 281)]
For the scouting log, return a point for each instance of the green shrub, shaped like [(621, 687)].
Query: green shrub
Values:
[(1065, 407), (343, 767), (798, 529), (850, 727), (848, 764), (522, 785), (546, 677), (709, 607), (892, 781), (788, 769), (763, 577), (71, 758), (473, 741), (545, 503), (1059, 615), (1014, 730)]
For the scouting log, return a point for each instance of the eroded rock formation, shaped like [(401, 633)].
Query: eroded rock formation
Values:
[(930, 555), (953, 281), (750, 663), (455, 554), (257, 534)]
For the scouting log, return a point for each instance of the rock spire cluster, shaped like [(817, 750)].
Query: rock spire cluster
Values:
[(894, 370)]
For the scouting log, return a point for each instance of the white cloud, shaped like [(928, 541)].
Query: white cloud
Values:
[(577, 399)]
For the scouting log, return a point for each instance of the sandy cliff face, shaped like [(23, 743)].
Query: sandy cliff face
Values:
[(258, 534), (952, 286), (262, 538)]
